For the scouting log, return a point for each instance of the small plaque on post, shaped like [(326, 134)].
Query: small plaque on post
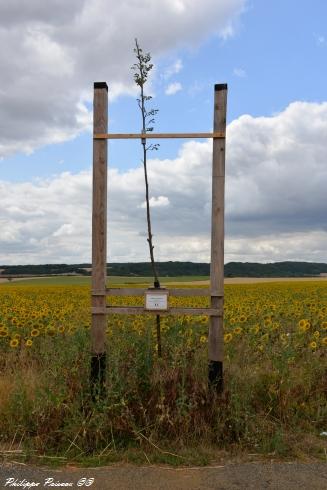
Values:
[(156, 299)]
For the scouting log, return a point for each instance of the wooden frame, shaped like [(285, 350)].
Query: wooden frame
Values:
[(99, 237), (128, 136)]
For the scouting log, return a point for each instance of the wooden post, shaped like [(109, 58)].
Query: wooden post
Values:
[(216, 335), (99, 238)]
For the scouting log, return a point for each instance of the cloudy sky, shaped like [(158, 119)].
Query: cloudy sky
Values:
[(273, 56)]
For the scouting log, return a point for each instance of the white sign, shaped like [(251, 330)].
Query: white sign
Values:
[(156, 300)]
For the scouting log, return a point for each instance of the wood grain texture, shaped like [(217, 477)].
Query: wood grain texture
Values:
[(140, 292), (126, 136), (216, 337), (99, 218), (140, 310)]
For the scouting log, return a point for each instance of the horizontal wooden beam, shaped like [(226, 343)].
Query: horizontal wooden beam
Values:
[(98, 292), (172, 292), (190, 292), (131, 136), (178, 292), (139, 310)]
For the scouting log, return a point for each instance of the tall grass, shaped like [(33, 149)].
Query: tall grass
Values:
[(274, 400)]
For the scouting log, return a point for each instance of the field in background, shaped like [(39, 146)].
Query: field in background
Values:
[(275, 376), (125, 281), (114, 280)]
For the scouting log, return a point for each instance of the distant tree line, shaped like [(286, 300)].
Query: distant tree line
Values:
[(276, 269), (45, 269), (170, 269)]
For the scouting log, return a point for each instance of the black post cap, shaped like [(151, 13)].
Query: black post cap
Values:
[(101, 85), (220, 86)]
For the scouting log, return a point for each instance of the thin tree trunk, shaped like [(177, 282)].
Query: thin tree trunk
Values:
[(156, 281), (148, 217)]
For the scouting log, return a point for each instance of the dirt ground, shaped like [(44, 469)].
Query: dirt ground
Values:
[(247, 476)]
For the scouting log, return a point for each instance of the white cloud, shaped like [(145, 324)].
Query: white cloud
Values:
[(64, 230), (320, 40), (173, 88), (301, 246), (46, 220), (239, 72), (55, 50), (173, 69), (276, 200), (156, 202), (197, 87), (277, 170)]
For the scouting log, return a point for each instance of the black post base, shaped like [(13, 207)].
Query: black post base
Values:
[(98, 375), (215, 376)]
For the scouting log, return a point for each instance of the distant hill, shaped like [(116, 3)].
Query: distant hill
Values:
[(45, 269), (169, 269), (275, 269)]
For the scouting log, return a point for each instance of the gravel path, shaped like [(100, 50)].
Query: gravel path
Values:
[(247, 476)]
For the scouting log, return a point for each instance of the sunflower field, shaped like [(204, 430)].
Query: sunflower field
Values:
[(275, 372)]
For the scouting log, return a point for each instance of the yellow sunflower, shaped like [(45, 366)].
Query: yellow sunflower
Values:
[(228, 337), (14, 343)]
